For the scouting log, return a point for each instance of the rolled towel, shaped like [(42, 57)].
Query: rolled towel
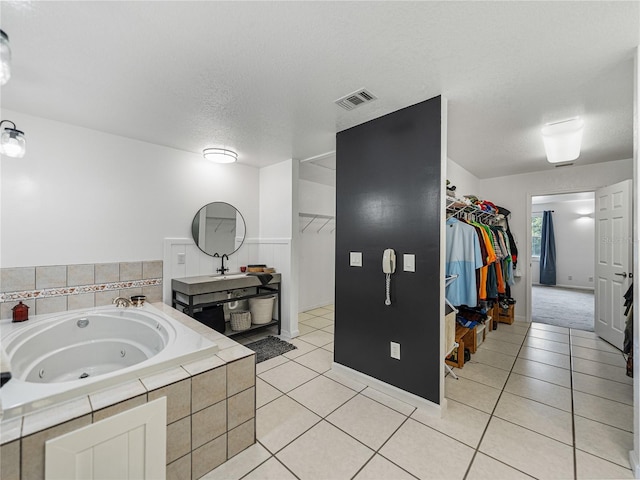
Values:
[(5, 368)]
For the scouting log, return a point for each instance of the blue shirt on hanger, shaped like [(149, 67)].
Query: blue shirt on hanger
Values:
[(463, 258)]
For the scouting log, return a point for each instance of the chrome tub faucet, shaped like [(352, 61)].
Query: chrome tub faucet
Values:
[(121, 302)]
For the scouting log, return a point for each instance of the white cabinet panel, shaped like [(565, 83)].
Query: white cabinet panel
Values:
[(130, 445)]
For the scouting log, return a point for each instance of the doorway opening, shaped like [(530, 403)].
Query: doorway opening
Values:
[(562, 260)]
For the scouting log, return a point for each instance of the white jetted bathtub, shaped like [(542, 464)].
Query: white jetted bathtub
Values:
[(58, 357)]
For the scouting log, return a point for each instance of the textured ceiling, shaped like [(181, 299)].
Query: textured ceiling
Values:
[(261, 77)]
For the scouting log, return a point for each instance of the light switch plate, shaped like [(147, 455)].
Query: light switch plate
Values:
[(409, 262), (181, 258), (355, 259), (395, 350)]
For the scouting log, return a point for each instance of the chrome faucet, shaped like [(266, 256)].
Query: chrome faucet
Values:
[(122, 302), (223, 270)]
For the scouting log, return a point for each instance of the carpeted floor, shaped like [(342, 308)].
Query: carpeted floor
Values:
[(564, 307), (269, 347)]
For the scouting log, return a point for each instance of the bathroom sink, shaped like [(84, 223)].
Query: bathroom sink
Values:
[(217, 283), (228, 277)]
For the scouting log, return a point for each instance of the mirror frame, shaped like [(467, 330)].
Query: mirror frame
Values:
[(196, 218)]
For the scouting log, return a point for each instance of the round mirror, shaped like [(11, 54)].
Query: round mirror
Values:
[(218, 228)]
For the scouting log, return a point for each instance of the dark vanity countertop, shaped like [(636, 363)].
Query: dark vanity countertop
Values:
[(215, 283)]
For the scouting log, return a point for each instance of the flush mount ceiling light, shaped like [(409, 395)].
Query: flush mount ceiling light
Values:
[(562, 140), (12, 143), (220, 155), (5, 58)]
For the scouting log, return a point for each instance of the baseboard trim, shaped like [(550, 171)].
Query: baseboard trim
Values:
[(569, 287), (289, 335), (635, 464), (391, 390), (314, 306)]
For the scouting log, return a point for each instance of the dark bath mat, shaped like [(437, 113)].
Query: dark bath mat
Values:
[(269, 347)]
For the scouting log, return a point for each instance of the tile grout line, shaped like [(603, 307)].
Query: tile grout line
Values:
[(273, 455), (377, 452), (491, 415), (407, 417), (573, 413), (515, 394)]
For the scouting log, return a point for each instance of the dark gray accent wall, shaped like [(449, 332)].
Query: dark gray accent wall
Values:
[(388, 196)]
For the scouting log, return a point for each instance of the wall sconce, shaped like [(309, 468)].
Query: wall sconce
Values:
[(220, 155), (562, 140), (5, 58), (12, 142)]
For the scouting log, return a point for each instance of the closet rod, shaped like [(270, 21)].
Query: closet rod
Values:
[(316, 215)]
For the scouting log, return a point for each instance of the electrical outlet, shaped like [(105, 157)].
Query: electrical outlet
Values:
[(570, 277), (181, 258), (395, 350), (591, 279), (355, 259)]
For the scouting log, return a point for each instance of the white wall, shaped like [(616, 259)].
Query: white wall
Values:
[(317, 249), (634, 455), (276, 200), (514, 192), (466, 182), (83, 196), (278, 206), (574, 233), (317, 198)]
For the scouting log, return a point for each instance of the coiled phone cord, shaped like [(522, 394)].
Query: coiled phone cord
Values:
[(388, 289)]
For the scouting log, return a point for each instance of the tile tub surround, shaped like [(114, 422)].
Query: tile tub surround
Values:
[(210, 412), (57, 288)]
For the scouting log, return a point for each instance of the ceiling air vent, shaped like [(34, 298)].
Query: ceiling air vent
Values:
[(355, 99)]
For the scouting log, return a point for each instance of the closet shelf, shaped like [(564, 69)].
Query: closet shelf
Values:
[(459, 209), (316, 222)]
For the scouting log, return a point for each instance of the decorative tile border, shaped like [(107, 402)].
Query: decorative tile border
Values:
[(64, 291)]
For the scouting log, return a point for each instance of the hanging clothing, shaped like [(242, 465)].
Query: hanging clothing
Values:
[(486, 256), (492, 282), (462, 259), (493, 270), (547, 251), (504, 223)]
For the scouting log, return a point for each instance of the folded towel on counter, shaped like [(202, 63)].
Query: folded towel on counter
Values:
[(263, 277), (5, 368)]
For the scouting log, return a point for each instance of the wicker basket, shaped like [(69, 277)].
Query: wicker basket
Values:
[(240, 320), (261, 309)]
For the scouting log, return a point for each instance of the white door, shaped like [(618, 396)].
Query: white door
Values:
[(613, 259)]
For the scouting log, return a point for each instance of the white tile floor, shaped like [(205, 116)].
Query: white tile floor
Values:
[(534, 401)]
